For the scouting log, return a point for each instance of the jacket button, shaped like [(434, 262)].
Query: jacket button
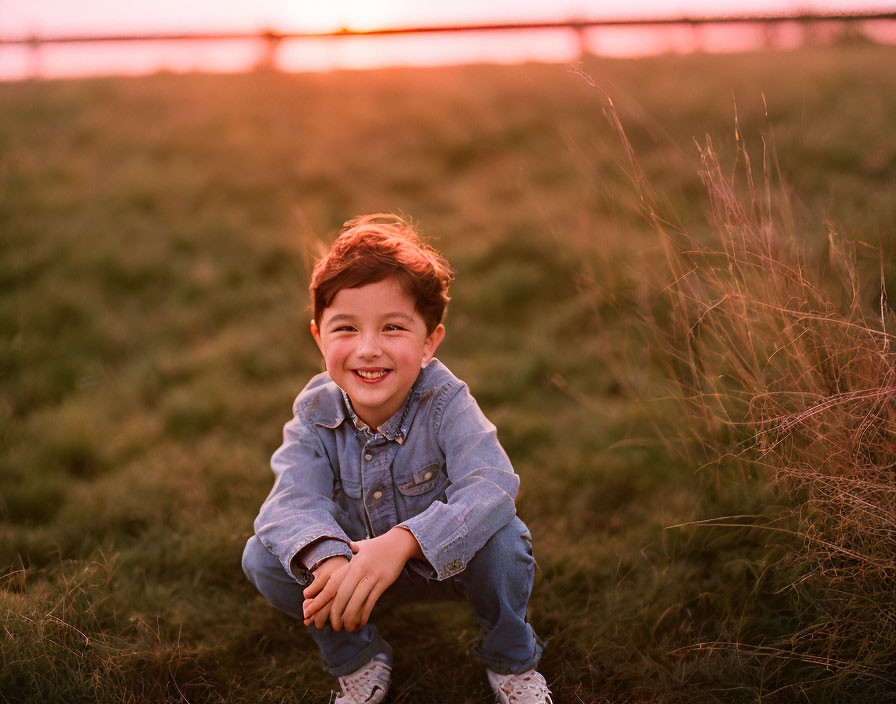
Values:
[(368, 457), (377, 494), (428, 475)]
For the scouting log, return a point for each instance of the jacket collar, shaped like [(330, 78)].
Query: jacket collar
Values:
[(337, 409), (393, 429)]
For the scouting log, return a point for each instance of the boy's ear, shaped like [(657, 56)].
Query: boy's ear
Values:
[(433, 340), (315, 333)]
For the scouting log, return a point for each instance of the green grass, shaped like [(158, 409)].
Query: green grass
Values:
[(153, 333)]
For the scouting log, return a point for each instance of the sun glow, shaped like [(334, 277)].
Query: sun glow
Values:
[(23, 19), (349, 14)]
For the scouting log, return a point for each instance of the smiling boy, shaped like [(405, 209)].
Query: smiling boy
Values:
[(390, 481)]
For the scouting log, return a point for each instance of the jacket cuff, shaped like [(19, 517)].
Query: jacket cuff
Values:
[(322, 549), (446, 558)]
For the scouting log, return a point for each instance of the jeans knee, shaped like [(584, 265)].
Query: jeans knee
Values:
[(255, 559), (514, 539), (507, 550), (272, 581)]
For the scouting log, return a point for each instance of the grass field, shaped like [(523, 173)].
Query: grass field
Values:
[(153, 333)]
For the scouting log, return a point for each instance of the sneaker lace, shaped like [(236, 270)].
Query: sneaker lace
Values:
[(365, 684), (526, 688)]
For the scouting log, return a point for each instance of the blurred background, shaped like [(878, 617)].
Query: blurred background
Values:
[(240, 36), (672, 243)]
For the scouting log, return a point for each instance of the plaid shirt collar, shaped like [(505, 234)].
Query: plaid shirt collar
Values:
[(393, 429)]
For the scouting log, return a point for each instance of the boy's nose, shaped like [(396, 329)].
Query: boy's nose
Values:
[(369, 346)]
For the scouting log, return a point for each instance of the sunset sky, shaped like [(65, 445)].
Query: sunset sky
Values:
[(49, 17), (53, 18)]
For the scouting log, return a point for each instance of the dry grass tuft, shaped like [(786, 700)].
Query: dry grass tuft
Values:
[(782, 365)]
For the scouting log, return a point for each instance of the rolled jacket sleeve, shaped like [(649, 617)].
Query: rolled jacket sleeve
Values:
[(480, 498), (299, 515)]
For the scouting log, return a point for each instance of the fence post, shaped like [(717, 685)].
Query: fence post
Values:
[(698, 37), (578, 29), (34, 63), (270, 42)]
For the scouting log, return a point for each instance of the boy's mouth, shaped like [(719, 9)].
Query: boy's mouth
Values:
[(371, 374)]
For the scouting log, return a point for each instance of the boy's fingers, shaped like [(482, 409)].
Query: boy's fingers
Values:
[(323, 576), (318, 613), (354, 546), (343, 596), (320, 618), (319, 582), (351, 615), (310, 606), (372, 598)]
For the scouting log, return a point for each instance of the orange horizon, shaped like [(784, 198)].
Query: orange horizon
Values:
[(526, 39), (25, 18)]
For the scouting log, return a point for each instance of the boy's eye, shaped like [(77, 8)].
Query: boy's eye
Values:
[(344, 328), (392, 328)]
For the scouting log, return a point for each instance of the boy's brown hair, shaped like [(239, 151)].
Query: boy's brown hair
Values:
[(374, 247)]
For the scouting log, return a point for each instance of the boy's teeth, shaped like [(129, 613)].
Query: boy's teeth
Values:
[(372, 375)]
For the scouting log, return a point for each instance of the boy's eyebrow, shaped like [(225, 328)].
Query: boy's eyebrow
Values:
[(343, 317), (347, 316)]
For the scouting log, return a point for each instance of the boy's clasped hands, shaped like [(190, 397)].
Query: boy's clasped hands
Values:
[(344, 591)]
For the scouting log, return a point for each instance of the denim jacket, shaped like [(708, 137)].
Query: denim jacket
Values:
[(435, 468)]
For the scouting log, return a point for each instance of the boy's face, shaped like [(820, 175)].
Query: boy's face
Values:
[(374, 343)]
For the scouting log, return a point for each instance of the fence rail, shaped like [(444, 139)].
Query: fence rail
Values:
[(574, 25), (270, 38)]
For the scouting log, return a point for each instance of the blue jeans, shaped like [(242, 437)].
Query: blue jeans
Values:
[(497, 583)]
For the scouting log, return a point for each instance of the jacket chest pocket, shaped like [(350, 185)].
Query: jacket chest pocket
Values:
[(425, 480), (347, 486), (348, 479)]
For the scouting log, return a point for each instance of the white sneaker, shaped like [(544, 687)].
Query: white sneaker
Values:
[(368, 684), (525, 688)]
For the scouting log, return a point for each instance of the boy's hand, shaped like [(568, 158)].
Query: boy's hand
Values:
[(330, 570), (351, 594)]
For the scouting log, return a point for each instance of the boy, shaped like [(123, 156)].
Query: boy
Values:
[(390, 481)]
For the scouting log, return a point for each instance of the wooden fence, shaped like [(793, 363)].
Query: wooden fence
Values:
[(269, 40)]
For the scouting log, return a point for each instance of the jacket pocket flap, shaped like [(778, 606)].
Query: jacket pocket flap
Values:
[(425, 479)]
